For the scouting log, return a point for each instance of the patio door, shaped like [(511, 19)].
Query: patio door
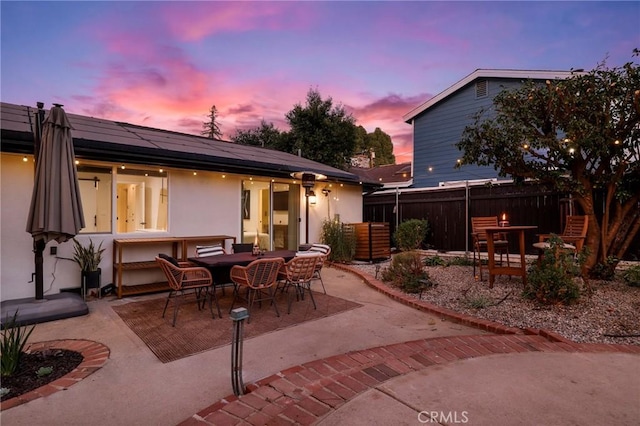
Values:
[(270, 214)]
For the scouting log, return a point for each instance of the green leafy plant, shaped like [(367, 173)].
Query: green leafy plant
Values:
[(478, 302), (14, 338), (411, 233), (341, 238), (87, 257), (407, 273), (434, 261), (460, 261), (605, 270), (44, 371), (552, 280), (632, 276)]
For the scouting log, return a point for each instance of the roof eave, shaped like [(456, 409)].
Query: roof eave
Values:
[(486, 73)]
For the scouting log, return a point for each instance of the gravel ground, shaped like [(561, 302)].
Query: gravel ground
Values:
[(612, 311)]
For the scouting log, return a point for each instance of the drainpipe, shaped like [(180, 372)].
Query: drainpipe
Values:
[(466, 217)]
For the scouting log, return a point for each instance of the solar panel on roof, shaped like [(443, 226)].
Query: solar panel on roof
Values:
[(115, 139)]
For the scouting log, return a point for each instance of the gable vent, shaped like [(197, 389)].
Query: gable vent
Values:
[(482, 88)]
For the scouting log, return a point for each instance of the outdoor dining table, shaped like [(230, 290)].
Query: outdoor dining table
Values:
[(220, 266), (519, 271)]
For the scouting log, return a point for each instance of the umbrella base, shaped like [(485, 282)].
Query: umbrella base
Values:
[(51, 308)]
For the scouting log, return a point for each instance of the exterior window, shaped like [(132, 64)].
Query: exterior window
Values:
[(142, 200), (96, 194)]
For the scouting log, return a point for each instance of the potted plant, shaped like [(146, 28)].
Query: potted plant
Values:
[(88, 258)]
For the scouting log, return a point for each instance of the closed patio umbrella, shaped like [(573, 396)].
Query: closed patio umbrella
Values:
[(56, 209)]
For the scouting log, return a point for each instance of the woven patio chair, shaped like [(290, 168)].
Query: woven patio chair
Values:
[(573, 236), (501, 244), (183, 278), (297, 274), (258, 279), (242, 247), (324, 250)]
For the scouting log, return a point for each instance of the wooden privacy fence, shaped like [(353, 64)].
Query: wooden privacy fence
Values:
[(449, 211)]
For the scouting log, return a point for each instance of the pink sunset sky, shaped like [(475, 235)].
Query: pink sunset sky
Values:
[(164, 64)]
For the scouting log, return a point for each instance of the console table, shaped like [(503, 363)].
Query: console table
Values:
[(178, 246)]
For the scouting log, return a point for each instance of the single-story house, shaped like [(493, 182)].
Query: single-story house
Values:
[(140, 183)]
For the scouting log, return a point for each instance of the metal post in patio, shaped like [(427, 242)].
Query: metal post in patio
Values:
[(238, 316)]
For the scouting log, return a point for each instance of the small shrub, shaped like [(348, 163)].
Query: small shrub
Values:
[(44, 371), (411, 233), (406, 272), (460, 261), (341, 239), (434, 261), (478, 302), (14, 338), (632, 276), (552, 281), (605, 271)]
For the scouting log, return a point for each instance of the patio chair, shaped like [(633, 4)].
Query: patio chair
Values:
[(298, 273), (258, 279), (501, 244), (242, 247), (322, 249), (573, 236), (183, 278)]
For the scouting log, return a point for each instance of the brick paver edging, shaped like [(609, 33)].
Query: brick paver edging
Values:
[(304, 394), (94, 354), (492, 326)]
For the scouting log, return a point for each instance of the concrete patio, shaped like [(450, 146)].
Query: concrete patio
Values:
[(134, 387)]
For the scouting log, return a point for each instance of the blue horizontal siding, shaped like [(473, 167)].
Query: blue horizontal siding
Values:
[(438, 129)]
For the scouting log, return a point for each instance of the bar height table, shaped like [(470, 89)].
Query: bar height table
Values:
[(494, 270)]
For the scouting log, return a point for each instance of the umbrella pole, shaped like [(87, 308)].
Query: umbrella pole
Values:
[(38, 249), (39, 245)]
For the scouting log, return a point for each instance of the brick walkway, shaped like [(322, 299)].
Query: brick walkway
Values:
[(304, 394), (94, 355)]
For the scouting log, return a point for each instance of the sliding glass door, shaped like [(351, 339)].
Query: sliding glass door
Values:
[(270, 214)]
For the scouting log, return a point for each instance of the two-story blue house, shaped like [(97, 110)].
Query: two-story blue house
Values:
[(439, 122)]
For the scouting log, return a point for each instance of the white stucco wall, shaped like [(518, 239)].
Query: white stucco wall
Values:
[(202, 204), (344, 200)]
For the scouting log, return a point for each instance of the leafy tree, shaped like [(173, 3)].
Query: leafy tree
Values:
[(321, 131), (381, 144), (362, 141), (266, 136), (580, 135), (211, 128)]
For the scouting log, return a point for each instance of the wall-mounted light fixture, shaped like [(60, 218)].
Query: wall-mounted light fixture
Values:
[(312, 197), (326, 192)]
